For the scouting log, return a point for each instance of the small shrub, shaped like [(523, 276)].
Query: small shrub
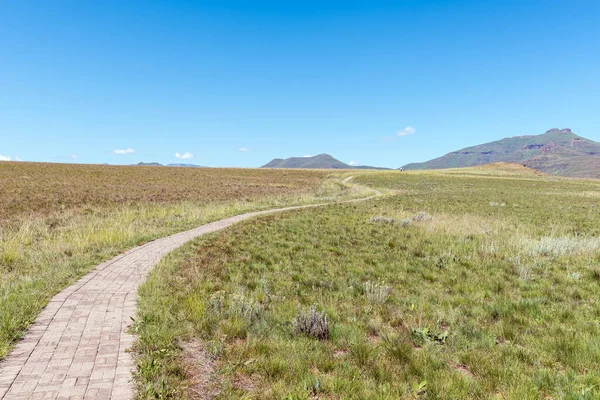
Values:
[(575, 276), (445, 260), (524, 273), (311, 323), (377, 293), (236, 306), (405, 222), (243, 308), (216, 303), (422, 217), (381, 220), (424, 335)]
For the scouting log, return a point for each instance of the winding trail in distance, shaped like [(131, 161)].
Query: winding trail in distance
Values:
[(78, 345)]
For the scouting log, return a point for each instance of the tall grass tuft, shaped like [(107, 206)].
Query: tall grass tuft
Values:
[(243, 307), (236, 305), (562, 246), (377, 292)]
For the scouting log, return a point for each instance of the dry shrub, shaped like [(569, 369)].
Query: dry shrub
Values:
[(422, 217), (377, 292), (312, 323)]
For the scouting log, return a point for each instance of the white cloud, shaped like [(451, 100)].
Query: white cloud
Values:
[(243, 149), (4, 158), (409, 130), (73, 157), (352, 163), (184, 156), (123, 151), (307, 155), (18, 159)]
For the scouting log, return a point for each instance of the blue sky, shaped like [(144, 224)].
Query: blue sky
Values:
[(237, 84)]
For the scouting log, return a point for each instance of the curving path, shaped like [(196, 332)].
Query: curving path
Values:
[(77, 346)]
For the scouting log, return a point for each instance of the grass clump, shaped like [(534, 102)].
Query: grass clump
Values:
[(562, 246), (377, 292), (236, 305), (312, 323), (398, 347)]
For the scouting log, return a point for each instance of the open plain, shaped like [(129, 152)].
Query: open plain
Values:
[(471, 283), (465, 283)]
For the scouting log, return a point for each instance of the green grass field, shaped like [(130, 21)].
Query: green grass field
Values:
[(471, 284), (58, 221)]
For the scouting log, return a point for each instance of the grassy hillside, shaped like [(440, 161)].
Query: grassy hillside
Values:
[(57, 221), (457, 285), (557, 152)]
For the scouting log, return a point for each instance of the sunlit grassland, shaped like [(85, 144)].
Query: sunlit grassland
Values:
[(451, 286), (58, 221)]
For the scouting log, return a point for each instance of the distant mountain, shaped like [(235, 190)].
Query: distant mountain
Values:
[(186, 165), (321, 161), (155, 164), (557, 152)]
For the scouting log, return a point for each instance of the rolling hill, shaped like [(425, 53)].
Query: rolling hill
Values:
[(556, 152), (321, 161)]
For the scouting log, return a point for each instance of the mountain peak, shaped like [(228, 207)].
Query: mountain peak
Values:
[(556, 130), (318, 161)]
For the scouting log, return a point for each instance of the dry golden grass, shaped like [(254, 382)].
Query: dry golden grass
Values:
[(44, 188), (498, 169), (514, 167)]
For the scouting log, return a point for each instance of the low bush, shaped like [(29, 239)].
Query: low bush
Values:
[(311, 323)]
